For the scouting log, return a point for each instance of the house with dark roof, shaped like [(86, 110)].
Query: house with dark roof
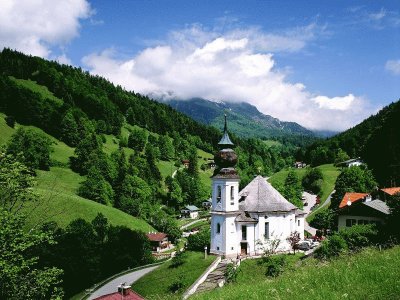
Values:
[(360, 208), (190, 211), (245, 222)]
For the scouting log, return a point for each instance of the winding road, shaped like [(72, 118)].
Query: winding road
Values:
[(112, 286)]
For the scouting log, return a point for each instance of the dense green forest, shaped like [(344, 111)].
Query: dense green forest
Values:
[(376, 140)]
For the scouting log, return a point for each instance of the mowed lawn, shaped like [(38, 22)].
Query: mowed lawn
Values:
[(371, 274), (155, 285)]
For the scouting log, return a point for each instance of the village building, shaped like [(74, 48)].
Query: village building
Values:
[(124, 292), (245, 222), (360, 208), (158, 241), (207, 204), (351, 163), (190, 211), (299, 164)]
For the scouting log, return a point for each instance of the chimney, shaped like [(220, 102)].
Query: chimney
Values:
[(368, 198), (123, 289)]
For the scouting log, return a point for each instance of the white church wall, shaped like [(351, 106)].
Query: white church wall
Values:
[(217, 241)]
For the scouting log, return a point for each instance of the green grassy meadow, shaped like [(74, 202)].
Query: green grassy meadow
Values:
[(155, 285), (329, 171), (370, 274)]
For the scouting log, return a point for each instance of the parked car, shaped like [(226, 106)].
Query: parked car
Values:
[(314, 244), (303, 245)]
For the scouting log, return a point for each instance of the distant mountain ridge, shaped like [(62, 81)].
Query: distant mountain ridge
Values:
[(244, 119)]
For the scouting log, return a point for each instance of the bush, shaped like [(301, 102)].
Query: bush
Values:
[(197, 242), (10, 121), (231, 273), (359, 236), (178, 259), (331, 247), (177, 285), (275, 265)]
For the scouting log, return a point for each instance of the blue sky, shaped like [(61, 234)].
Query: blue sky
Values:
[(323, 64)]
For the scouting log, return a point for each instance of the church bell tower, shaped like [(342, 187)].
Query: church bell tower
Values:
[(225, 199)]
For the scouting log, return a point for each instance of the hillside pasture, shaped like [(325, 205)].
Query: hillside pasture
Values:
[(371, 274)]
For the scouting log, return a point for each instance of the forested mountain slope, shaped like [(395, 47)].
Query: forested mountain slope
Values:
[(245, 119), (376, 140)]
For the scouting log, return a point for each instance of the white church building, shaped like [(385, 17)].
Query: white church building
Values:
[(246, 222)]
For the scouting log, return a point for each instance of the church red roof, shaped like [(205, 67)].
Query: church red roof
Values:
[(130, 295)]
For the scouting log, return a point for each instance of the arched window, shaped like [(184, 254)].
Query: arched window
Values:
[(218, 228), (219, 193), (232, 195)]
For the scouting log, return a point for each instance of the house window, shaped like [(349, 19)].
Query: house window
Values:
[(266, 233), (244, 232), (298, 222), (350, 222), (218, 228), (219, 193)]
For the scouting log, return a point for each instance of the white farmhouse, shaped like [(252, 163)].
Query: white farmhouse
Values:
[(245, 222)]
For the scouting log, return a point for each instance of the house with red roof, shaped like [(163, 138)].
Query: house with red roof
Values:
[(360, 208), (158, 241), (124, 293)]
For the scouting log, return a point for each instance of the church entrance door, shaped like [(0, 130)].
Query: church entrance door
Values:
[(243, 248)]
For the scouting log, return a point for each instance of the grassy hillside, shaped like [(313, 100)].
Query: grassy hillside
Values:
[(371, 274), (329, 171), (58, 188), (155, 285)]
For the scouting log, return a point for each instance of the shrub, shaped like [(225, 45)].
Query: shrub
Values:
[(231, 273), (178, 259), (10, 121), (275, 265), (331, 247), (177, 285), (197, 242), (359, 236)]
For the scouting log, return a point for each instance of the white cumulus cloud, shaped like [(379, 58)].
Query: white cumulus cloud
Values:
[(233, 66), (33, 26), (393, 66)]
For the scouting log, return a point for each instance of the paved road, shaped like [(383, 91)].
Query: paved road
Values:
[(112, 286), (191, 223), (311, 200)]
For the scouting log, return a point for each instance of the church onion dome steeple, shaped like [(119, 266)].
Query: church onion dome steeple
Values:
[(225, 158), (225, 141)]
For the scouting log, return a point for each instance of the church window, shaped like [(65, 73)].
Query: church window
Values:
[(218, 228), (266, 233), (298, 222), (219, 193), (232, 195), (244, 232)]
